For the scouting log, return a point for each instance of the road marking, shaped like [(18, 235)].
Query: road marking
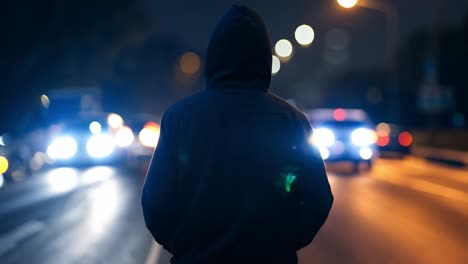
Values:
[(154, 253), (11, 239)]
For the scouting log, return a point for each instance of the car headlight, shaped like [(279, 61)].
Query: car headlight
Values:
[(322, 137), (149, 137), (324, 153), (363, 137), (100, 146), (124, 137), (62, 148)]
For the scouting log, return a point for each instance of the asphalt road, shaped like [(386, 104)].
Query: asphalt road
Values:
[(409, 211)]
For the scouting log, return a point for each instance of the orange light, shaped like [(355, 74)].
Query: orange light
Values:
[(405, 139), (383, 141), (149, 135), (189, 63), (339, 114), (383, 129), (152, 125)]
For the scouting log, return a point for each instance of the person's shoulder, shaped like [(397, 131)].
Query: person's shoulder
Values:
[(184, 105), (288, 106)]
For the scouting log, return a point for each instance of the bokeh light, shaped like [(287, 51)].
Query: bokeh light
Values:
[(95, 127), (383, 140), (45, 101), (366, 153), (405, 139), (304, 35), (100, 146), (283, 48), (383, 129), (149, 135), (115, 121), (3, 164), (275, 65), (347, 3), (124, 137), (339, 114), (189, 63)]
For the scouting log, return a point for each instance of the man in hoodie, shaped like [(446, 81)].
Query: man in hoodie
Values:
[(233, 178)]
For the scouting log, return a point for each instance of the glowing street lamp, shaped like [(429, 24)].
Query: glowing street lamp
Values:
[(189, 63), (283, 48), (275, 65), (347, 3), (304, 35), (391, 15)]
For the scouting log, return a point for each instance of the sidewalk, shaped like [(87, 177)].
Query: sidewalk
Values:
[(454, 157)]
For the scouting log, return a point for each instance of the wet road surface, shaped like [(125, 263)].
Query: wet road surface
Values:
[(403, 211)]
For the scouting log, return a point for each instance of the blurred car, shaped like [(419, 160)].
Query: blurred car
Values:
[(85, 140), (344, 135), (394, 139)]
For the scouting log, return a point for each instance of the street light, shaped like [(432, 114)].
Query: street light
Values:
[(347, 3), (283, 48), (304, 35), (391, 16), (275, 65), (189, 63)]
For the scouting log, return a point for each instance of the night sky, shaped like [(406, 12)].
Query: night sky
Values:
[(41, 35)]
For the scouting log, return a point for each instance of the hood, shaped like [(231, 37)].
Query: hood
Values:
[(239, 53)]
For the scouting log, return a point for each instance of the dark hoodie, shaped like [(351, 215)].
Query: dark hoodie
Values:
[(233, 178)]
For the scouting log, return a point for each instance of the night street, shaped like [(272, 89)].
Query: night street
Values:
[(409, 211)]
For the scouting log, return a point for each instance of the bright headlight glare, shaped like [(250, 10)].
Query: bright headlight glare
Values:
[(100, 146), (322, 137), (62, 148), (366, 153), (149, 137), (124, 137), (363, 137), (325, 153)]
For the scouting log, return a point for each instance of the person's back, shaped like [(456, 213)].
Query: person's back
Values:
[(233, 179)]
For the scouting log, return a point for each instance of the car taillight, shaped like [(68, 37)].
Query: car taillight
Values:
[(383, 141), (405, 139)]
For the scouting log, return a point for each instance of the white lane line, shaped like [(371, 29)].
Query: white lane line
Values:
[(11, 239), (153, 254)]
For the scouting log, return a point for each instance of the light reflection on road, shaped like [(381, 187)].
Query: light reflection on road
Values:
[(97, 174), (62, 179), (104, 206)]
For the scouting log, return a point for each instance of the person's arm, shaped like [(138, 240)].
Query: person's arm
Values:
[(314, 191), (159, 191)]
